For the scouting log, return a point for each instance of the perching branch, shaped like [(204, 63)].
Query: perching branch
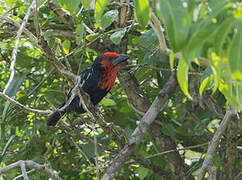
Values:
[(214, 143), (31, 164)]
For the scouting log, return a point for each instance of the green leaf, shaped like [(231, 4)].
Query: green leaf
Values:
[(239, 95), (221, 34), (205, 84), (79, 33), (172, 59), (143, 172), (15, 85), (17, 131), (54, 97), (71, 6), (182, 76), (235, 53), (66, 46), (142, 12), (41, 2), (201, 32), (100, 7), (215, 64), (168, 129), (117, 36), (197, 40), (86, 3), (108, 18), (24, 61), (177, 22), (108, 102), (5, 111), (148, 38), (155, 58)]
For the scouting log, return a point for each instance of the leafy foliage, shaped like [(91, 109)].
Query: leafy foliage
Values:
[(205, 44)]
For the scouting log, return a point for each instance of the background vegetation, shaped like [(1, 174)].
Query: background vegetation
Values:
[(44, 44)]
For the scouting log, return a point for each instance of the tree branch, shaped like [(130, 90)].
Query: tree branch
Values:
[(159, 103), (15, 49), (33, 165), (214, 143), (64, 16), (16, 103)]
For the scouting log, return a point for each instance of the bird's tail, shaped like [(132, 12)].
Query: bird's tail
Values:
[(54, 118)]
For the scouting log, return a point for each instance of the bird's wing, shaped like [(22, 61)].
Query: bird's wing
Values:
[(85, 75)]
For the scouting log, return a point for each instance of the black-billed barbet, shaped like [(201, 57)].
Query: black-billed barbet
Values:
[(97, 81)]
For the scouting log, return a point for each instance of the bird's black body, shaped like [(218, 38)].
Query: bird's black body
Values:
[(96, 81)]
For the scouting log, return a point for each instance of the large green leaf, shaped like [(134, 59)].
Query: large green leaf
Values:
[(100, 7), (54, 97), (24, 61), (182, 76), (222, 33), (205, 84), (143, 172), (142, 12), (15, 85), (168, 129), (86, 3), (239, 95), (177, 22), (117, 36), (235, 53), (108, 18), (215, 64), (200, 32), (79, 33), (71, 6), (148, 38)]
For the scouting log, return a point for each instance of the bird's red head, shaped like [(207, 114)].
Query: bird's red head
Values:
[(109, 64)]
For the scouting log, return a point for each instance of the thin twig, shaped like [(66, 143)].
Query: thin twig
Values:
[(96, 152), (82, 152), (157, 69), (65, 58), (16, 103), (92, 169), (20, 176), (82, 136), (15, 49), (23, 169), (178, 149)]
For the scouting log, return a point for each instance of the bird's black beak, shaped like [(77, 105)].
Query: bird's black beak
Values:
[(121, 58)]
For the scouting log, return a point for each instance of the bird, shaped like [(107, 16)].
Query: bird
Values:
[(97, 80)]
